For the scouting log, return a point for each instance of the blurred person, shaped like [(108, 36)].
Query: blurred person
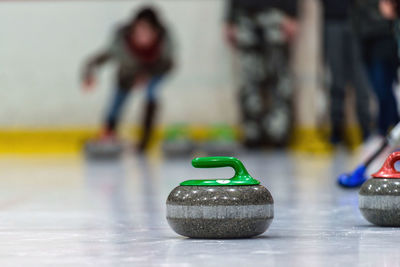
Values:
[(390, 9), (343, 57), (261, 31), (143, 52), (380, 55)]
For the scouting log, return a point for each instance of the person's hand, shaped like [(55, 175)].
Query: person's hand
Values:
[(230, 32), (388, 9), (88, 83), (289, 27)]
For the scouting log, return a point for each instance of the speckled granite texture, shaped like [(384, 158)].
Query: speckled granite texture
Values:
[(220, 211), (379, 201)]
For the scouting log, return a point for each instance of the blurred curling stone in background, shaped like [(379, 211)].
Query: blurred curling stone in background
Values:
[(221, 140), (111, 148), (177, 142)]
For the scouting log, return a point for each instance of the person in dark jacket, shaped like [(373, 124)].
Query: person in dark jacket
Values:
[(142, 50), (344, 60), (390, 9), (380, 54), (261, 30)]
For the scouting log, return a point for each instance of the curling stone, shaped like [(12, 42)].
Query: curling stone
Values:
[(379, 197), (178, 148), (222, 142), (220, 148), (177, 142), (103, 149), (224, 208)]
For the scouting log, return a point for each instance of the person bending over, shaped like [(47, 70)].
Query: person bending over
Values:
[(143, 52)]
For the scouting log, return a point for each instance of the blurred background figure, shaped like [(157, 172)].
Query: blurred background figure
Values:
[(261, 31), (143, 51), (380, 55), (344, 60), (390, 9)]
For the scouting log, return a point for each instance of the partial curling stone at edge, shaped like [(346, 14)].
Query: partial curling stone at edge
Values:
[(379, 197)]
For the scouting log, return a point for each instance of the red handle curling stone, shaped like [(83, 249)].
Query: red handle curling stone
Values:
[(379, 198), (388, 170)]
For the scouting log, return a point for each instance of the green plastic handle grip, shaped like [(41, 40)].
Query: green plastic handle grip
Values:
[(241, 177)]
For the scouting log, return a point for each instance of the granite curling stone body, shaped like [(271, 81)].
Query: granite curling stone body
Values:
[(379, 197), (226, 208)]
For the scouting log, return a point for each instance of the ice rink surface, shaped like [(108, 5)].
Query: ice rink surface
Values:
[(68, 211)]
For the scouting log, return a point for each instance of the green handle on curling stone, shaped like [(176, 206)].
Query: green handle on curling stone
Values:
[(241, 177)]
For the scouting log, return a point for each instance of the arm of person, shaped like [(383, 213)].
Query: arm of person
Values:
[(230, 30), (88, 77), (289, 22), (167, 61), (99, 59)]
